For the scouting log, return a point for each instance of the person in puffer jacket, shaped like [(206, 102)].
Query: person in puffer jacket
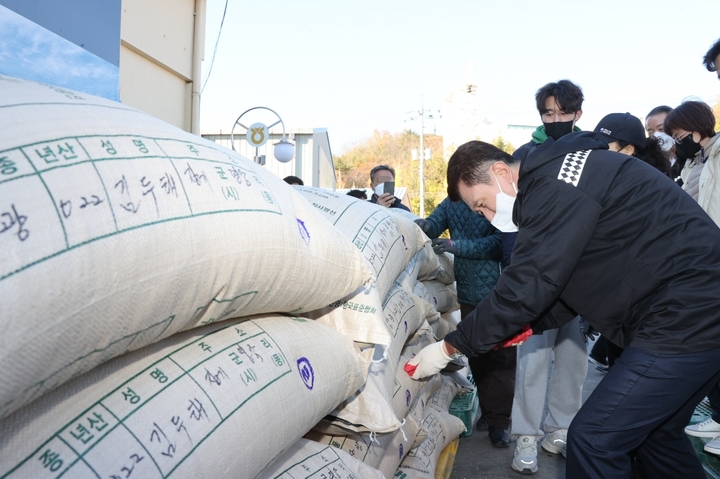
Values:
[(475, 243)]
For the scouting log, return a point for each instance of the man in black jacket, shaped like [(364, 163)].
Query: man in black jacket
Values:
[(607, 237)]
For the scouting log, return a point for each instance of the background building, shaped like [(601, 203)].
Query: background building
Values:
[(464, 120), (312, 163)]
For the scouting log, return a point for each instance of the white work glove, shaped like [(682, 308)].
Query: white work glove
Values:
[(430, 360)]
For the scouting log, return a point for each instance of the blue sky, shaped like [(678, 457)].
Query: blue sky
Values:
[(34, 53), (355, 66)]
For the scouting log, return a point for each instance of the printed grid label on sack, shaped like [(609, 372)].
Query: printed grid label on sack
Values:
[(307, 459), (572, 167), (131, 182), (154, 445)]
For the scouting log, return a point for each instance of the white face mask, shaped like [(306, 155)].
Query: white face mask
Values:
[(504, 204)]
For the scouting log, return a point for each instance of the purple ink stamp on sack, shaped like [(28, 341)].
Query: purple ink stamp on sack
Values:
[(304, 233), (307, 374)]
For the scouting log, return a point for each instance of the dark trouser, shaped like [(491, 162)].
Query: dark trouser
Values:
[(643, 403), (599, 350), (714, 397), (605, 351), (613, 353), (494, 375)]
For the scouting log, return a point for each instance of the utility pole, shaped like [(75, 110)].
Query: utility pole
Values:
[(422, 158), (423, 154)]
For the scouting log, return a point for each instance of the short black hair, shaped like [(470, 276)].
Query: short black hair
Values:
[(357, 194), (380, 168), (691, 116), (293, 180), (711, 55), (567, 94), (470, 164), (657, 110)]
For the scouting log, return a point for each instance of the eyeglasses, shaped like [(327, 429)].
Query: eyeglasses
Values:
[(678, 141)]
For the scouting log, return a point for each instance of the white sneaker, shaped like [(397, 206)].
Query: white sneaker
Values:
[(525, 459), (713, 447), (556, 442), (707, 428)]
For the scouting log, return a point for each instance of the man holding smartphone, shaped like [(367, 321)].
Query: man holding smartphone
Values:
[(382, 182)]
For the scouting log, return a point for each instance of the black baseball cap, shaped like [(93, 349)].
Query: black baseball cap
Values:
[(622, 127)]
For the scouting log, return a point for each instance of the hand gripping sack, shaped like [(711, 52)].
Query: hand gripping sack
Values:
[(117, 229)]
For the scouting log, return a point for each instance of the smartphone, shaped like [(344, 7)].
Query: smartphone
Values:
[(387, 187)]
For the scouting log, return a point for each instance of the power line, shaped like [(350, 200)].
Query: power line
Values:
[(216, 45)]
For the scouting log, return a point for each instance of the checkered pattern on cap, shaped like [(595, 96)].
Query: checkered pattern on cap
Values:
[(572, 167)]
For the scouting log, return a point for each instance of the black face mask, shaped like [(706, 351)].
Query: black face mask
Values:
[(687, 148), (558, 129)]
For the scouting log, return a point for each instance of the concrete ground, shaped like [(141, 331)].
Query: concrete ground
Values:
[(477, 459)]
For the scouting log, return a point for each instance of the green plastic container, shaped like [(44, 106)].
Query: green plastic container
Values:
[(464, 407)]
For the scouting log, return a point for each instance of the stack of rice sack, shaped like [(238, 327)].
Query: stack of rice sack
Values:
[(372, 425), (309, 459), (437, 428), (371, 409), (432, 266), (172, 303), (387, 242), (385, 451), (413, 450), (123, 237), (219, 401), (447, 323), (431, 277)]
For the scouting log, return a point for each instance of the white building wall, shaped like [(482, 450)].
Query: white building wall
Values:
[(302, 165), (460, 118), (325, 169), (160, 53), (163, 95)]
